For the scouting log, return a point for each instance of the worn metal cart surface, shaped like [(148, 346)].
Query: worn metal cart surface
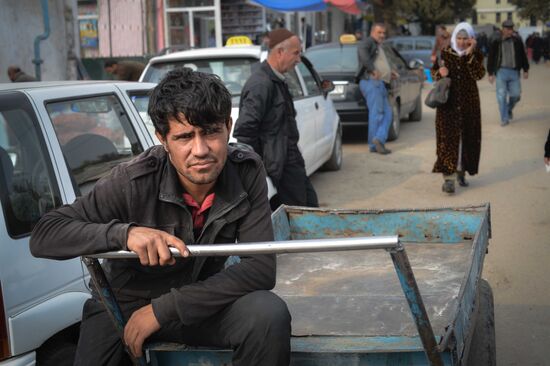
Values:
[(363, 307)]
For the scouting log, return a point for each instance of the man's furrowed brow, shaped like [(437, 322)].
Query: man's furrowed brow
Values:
[(185, 134)]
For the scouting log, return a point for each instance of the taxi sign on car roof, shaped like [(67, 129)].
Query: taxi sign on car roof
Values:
[(238, 41), (348, 39)]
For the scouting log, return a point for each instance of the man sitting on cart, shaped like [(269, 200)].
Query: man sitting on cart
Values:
[(193, 189)]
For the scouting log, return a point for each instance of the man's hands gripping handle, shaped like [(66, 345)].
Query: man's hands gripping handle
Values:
[(152, 246)]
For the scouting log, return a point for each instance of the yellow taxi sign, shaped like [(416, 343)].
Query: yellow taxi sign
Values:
[(238, 41), (348, 39)]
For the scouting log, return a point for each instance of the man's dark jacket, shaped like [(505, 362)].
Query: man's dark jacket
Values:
[(267, 120), (494, 58), (146, 192), (367, 51)]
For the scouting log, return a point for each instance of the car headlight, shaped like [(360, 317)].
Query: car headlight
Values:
[(339, 89)]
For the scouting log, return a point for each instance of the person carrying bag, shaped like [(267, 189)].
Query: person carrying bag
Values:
[(458, 113), (439, 93)]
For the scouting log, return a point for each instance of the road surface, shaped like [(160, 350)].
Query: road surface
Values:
[(511, 177)]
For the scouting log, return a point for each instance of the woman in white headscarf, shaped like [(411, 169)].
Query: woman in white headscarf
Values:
[(458, 122)]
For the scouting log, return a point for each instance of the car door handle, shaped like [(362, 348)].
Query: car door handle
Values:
[(316, 105)]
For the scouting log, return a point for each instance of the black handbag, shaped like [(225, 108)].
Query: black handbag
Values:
[(439, 93)]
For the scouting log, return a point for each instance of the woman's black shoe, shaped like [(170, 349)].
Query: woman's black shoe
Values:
[(448, 186), (462, 180)]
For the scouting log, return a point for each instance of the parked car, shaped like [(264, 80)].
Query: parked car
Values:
[(318, 122), (338, 62), (414, 47), (56, 140)]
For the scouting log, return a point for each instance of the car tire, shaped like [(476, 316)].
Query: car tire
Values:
[(482, 345), (59, 352), (395, 126), (335, 161), (416, 114)]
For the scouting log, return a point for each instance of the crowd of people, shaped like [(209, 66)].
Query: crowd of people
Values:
[(458, 56), (538, 48)]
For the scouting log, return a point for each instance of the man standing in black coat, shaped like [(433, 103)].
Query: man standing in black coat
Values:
[(267, 122)]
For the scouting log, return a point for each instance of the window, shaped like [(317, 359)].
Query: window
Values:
[(95, 134), (498, 1), (294, 84), (497, 17), (189, 3), (234, 72), (423, 44), (394, 59), (28, 188), (509, 15), (141, 102), (311, 84), (334, 59), (403, 45)]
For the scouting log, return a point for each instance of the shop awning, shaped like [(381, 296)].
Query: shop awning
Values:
[(348, 6)]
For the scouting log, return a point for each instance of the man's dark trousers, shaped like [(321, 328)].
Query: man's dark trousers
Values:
[(256, 327), (295, 188)]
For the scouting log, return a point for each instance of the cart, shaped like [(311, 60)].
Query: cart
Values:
[(365, 287)]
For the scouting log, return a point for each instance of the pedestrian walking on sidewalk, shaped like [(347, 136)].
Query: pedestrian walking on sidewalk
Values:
[(458, 122), (375, 74), (506, 58)]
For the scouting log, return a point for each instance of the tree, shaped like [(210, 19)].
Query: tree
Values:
[(428, 13), (538, 9)]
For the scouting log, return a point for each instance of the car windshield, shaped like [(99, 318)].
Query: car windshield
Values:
[(334, 59), (234, 72)]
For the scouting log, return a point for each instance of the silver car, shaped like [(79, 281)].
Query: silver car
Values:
[(56, 141)]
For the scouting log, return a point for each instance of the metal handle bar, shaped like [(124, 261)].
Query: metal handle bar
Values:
[(275, 247), (397, 252)]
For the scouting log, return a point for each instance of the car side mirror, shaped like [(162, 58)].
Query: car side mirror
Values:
[(327, 86), (416, 64)]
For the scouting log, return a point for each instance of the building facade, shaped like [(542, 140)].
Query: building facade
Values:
[(22, 21), (496, 11)]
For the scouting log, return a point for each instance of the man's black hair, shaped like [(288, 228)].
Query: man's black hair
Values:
[(202, 98)]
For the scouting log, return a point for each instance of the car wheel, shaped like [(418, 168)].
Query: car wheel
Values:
[(335, 161), (57, 353), (395, 124), (482, 345), (416, 114)]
